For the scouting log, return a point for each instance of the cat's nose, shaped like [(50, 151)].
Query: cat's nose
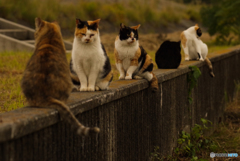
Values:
[(132, 38), (87, 40)]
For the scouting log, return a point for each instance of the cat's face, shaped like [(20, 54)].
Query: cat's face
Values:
[(87, 31), (128, 35), (198, 30), (44, 28)]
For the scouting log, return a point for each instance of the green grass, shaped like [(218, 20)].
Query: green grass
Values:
[(12, 65), (133, 11)]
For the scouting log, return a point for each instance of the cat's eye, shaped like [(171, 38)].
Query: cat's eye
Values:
[(91, 35), (83, 34)]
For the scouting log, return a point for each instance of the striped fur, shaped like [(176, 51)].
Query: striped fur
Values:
[(132, 61), (90, 65), (46, 80)]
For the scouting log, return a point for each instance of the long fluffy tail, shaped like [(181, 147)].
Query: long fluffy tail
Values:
[(154, 83), (68, 116), (209, 64)]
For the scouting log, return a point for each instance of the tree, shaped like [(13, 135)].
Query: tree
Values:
[(222, 18)]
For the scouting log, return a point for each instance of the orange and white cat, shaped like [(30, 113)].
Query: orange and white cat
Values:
[(193, 47)]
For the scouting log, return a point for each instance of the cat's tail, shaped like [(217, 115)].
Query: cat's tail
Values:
[(210, 67), (68, 116), (154, 83)]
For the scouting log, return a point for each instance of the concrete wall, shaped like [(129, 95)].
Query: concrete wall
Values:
[(132, 119), (16, 37)]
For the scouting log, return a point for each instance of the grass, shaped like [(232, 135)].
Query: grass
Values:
[(12, 65), (155, 13)]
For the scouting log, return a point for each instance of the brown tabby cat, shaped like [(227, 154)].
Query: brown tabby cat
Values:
[(46, 80)]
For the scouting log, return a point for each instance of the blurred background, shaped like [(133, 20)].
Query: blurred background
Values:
[(219, 19)]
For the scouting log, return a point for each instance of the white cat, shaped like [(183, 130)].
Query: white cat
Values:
[(193, 47), (90, 63)]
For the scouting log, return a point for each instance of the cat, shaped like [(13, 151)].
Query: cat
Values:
[(90, 65), (168, 56), (46, 80), (193, 46), (131, 60)]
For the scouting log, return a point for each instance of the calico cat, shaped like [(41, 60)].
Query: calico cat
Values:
[(168, 55), (132, 61), (193, 46), (46, 80), (90, 65)]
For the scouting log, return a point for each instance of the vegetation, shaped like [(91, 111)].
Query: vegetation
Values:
[(190, 145), (222, 18), (11, 67), (156, 13), (196, 146), (192, 80)]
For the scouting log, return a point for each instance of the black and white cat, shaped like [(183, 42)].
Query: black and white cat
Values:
[(90, 65), (168, 56)]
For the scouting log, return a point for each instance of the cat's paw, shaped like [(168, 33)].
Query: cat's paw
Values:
[(128, 77), (121, 77), (97, 88), (83, 89), (137, 77), (90, 89), (201, 59)]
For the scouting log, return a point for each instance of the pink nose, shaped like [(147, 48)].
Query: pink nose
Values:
[(87, 40)]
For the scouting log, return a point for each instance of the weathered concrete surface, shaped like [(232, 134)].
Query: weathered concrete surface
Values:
[(132, 119), (13, 37), (10, 44)]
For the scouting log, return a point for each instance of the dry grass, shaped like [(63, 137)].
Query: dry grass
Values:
[(227, 134)]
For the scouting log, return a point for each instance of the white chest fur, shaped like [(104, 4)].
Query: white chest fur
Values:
[(87, 57), (126, 52)]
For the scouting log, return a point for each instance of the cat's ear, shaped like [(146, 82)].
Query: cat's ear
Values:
[(38, 22), (96, 23), (78, 21), (136, 27), (122, 26)]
